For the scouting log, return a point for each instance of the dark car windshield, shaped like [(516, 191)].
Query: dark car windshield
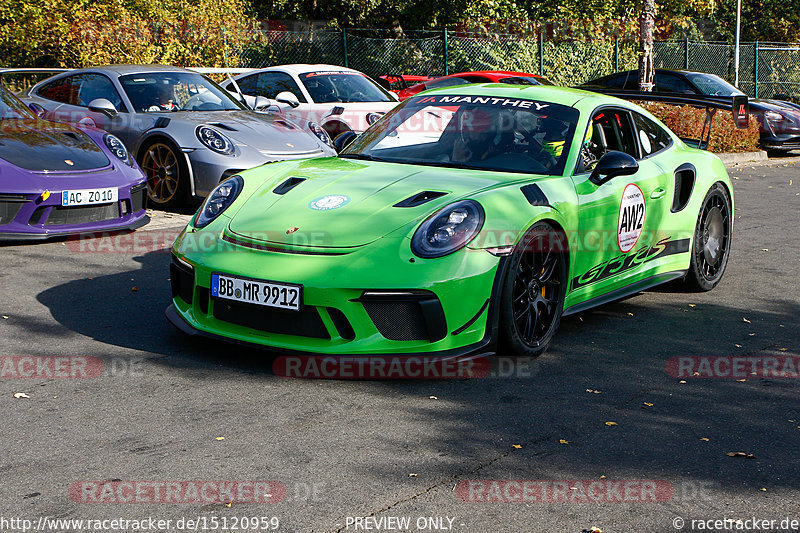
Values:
[(11, 107), (478, 132), (344, 86), (156, 92), (712, 85)]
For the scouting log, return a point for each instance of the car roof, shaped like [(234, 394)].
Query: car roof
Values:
[(546, 93), (493, 73), (122, 70), (301, 68)]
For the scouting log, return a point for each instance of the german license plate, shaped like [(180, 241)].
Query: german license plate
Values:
[(105, 195), (258, 292)]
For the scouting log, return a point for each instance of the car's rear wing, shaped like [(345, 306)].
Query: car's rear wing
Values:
[(738, 105)]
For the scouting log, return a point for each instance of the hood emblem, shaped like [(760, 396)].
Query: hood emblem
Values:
[(69, 162), (326, 203), (291, 230)]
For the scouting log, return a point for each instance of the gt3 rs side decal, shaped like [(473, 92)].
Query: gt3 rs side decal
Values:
[(621, 263)]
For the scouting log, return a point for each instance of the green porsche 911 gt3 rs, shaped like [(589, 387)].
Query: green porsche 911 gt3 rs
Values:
[(465, 218)]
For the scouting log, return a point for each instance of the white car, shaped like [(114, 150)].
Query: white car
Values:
[(337, 98)]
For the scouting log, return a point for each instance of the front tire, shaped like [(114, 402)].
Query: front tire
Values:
[(167, 173), (712, 240), (534, 289)]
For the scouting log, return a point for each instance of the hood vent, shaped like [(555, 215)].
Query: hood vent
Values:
[(283, 123), (288, 185), (420, 198), (222, 126)]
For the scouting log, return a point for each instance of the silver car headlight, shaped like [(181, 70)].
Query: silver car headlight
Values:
[(214, 140), (320, 132), (117, 148), (448, 230), (218, 201)]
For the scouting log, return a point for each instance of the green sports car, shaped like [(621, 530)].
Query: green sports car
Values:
[(467, 218)]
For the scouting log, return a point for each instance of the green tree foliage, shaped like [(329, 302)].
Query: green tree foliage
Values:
[(76, 33)]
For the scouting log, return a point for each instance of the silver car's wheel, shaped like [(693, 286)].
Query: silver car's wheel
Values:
[(165, 168)]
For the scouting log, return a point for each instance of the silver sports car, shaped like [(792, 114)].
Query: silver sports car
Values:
[(186, 132)]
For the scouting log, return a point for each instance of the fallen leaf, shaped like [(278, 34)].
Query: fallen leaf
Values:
[(229, 503), (763, 489), (705, 439), (134, 289), (738, 345), (790, 182), (611, 423), (602, 477), (5, 317), (692, 305), (432, 398), (517, 446), (781, 349), (682, 381), (765, 249), (741, 454), (630, 314), (648, 404), (20, 395), (220, 438), (593, 391), (562, 441), (746, 320), (413, 475), (741, 380)]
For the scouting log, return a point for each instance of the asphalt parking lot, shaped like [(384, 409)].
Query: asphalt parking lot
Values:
[(167, 408)]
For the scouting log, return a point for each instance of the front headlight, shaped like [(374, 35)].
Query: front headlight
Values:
[(320, 132), (214, 140), (218, 201), (448, 230), (117, 148), (773, 116)]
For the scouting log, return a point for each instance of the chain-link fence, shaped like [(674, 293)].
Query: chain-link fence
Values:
[(765, 69)]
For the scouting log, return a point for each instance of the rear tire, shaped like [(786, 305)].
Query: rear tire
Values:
[(534, 289), (712, 241)]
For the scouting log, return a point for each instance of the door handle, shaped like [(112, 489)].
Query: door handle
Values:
[(658, 193)]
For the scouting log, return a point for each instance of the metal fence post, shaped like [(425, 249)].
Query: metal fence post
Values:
[(755, 69), (616, 53), (686, 53), (541, 53), (446, 69), (344, 47)]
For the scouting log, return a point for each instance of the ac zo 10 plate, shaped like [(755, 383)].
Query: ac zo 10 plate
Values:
[(252, 291), (89, 196)]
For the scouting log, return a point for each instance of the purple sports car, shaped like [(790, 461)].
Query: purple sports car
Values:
[(57, 179)]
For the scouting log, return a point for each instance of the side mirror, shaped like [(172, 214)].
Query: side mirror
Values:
[(101, 105), (38, 110), (261, 102), (343, 140), (287, 98), (611, 165)]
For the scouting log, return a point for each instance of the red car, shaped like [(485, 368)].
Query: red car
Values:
[(481, 76), (399, 82)]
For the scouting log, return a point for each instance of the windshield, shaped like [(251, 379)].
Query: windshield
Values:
[(11, 107), (156, 92), (713, 85), (479, 132), (325, 87)]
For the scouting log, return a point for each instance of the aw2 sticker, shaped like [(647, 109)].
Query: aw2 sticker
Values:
[(631, 217)]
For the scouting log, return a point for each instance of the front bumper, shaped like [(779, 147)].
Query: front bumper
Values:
[(25, 216), (368, 301), (780, 141)]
